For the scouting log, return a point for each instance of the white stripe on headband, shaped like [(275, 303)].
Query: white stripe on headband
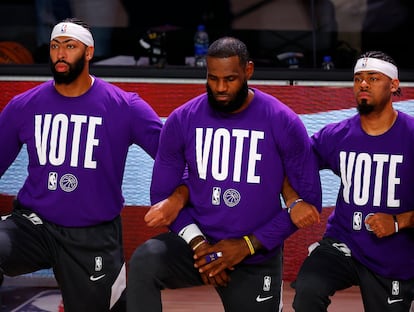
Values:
[(374, 64), (74, 31)]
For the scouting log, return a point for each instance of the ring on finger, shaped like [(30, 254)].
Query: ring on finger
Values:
[(213, 256)]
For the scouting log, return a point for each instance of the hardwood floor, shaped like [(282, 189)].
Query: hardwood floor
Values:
[(205, 299), (195, 299)]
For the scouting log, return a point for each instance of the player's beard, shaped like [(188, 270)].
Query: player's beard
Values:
[(68, 77), (364, 108), (232, 105)]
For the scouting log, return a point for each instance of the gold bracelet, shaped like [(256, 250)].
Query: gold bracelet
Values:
[(199, 244), (249, 244)]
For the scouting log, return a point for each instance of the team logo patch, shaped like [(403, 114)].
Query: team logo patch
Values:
[(68, 182), (231, 197), (366, 225)]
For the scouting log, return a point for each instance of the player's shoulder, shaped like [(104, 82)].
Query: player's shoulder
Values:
[(270, 103), (406, 117), (193, 106), (341, 128), (103, 84), (40, 89), (113, 90), (405, 122)]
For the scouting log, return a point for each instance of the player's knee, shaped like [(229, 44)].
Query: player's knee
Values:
[(309, 294), (309, 285), (147, 258)]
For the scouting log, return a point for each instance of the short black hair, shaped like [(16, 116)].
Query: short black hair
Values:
[(227, 47), (379, 55)]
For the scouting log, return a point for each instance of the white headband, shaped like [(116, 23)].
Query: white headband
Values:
[(74, 31), (374, 64)]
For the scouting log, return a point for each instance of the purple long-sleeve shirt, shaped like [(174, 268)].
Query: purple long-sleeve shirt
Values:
[(77, 148), (376, 176), (236, 166)]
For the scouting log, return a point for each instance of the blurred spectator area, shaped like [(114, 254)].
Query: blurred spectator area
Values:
[(314, 28), (18, 22)]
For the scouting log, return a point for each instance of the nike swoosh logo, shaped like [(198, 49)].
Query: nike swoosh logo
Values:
[(260, 299), (390, 301), (96, 278)]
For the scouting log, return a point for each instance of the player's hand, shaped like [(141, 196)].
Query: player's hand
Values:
[(162, 213), (381, 224), (214, 259), (221, 278), (304, 214)]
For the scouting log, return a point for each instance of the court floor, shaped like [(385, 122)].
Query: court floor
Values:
[(205, 299), (200, 299)]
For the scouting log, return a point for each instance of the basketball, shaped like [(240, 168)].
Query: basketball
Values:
[(12, 52)]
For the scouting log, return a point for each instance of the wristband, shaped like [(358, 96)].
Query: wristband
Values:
[(294, 204), (190, 231), (396, 223), (249, 244)]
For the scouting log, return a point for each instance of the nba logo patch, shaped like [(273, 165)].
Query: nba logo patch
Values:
[(52, 181), (364, 62), (98, 263), (215, 196), (266, 283), (395, 288), (357, 221), (64, 28)]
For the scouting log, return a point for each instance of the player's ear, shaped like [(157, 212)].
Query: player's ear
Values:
[(395, 84), (249, 69), (89, 53)]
